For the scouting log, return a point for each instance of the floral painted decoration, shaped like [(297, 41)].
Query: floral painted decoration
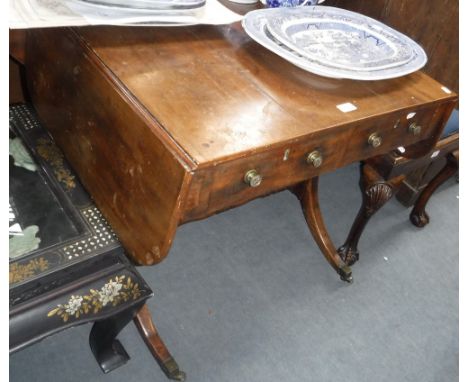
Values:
[(114, 293), (52, 154), (20, 272)]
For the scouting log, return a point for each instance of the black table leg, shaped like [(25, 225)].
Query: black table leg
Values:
[(108, 351)]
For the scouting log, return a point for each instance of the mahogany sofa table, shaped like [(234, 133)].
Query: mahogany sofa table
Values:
[(169, 125)]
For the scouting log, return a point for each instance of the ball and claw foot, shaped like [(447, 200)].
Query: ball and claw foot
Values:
[(348, 255), (419, 219), (172, 371)]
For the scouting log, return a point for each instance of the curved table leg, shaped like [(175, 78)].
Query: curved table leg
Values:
[(375, 193), (418, 215), (158, 349), (307, 193)]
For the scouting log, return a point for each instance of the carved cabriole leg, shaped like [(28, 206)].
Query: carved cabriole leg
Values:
[(375, 193), (145, 326), (307, 193), (418, 215), (107, 350)]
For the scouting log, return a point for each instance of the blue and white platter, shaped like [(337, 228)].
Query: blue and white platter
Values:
[(336, 43)]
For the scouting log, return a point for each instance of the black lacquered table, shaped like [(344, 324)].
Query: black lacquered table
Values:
[(66, 265)]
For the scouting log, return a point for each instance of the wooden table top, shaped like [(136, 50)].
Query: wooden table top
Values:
[(221, 95)]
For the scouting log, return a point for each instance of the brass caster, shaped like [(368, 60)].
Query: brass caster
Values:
[(171, 369), (346, 274), (179, 376)]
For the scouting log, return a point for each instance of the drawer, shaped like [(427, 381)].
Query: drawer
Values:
[(399, 129), (222, 186)]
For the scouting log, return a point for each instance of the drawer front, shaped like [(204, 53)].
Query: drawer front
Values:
[(225, 185), (400, 129)]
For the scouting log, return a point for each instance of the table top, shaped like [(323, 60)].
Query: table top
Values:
[(220, 95)]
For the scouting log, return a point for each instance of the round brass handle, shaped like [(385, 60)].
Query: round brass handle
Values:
[(315, 158), (253, 178), (375, 140), (414, 129)]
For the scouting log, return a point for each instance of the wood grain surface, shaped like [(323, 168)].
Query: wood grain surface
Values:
[(134, 175), (221, 95), (17, 43)]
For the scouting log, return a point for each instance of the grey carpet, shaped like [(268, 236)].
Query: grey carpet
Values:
[(246, 296)]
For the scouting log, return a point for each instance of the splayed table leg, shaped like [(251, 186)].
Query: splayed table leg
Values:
[(307, 193), (158, 349)]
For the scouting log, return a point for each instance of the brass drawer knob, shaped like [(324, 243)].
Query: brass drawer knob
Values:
[(253, 178), (315, 158), (414, 129), (375, 140)]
